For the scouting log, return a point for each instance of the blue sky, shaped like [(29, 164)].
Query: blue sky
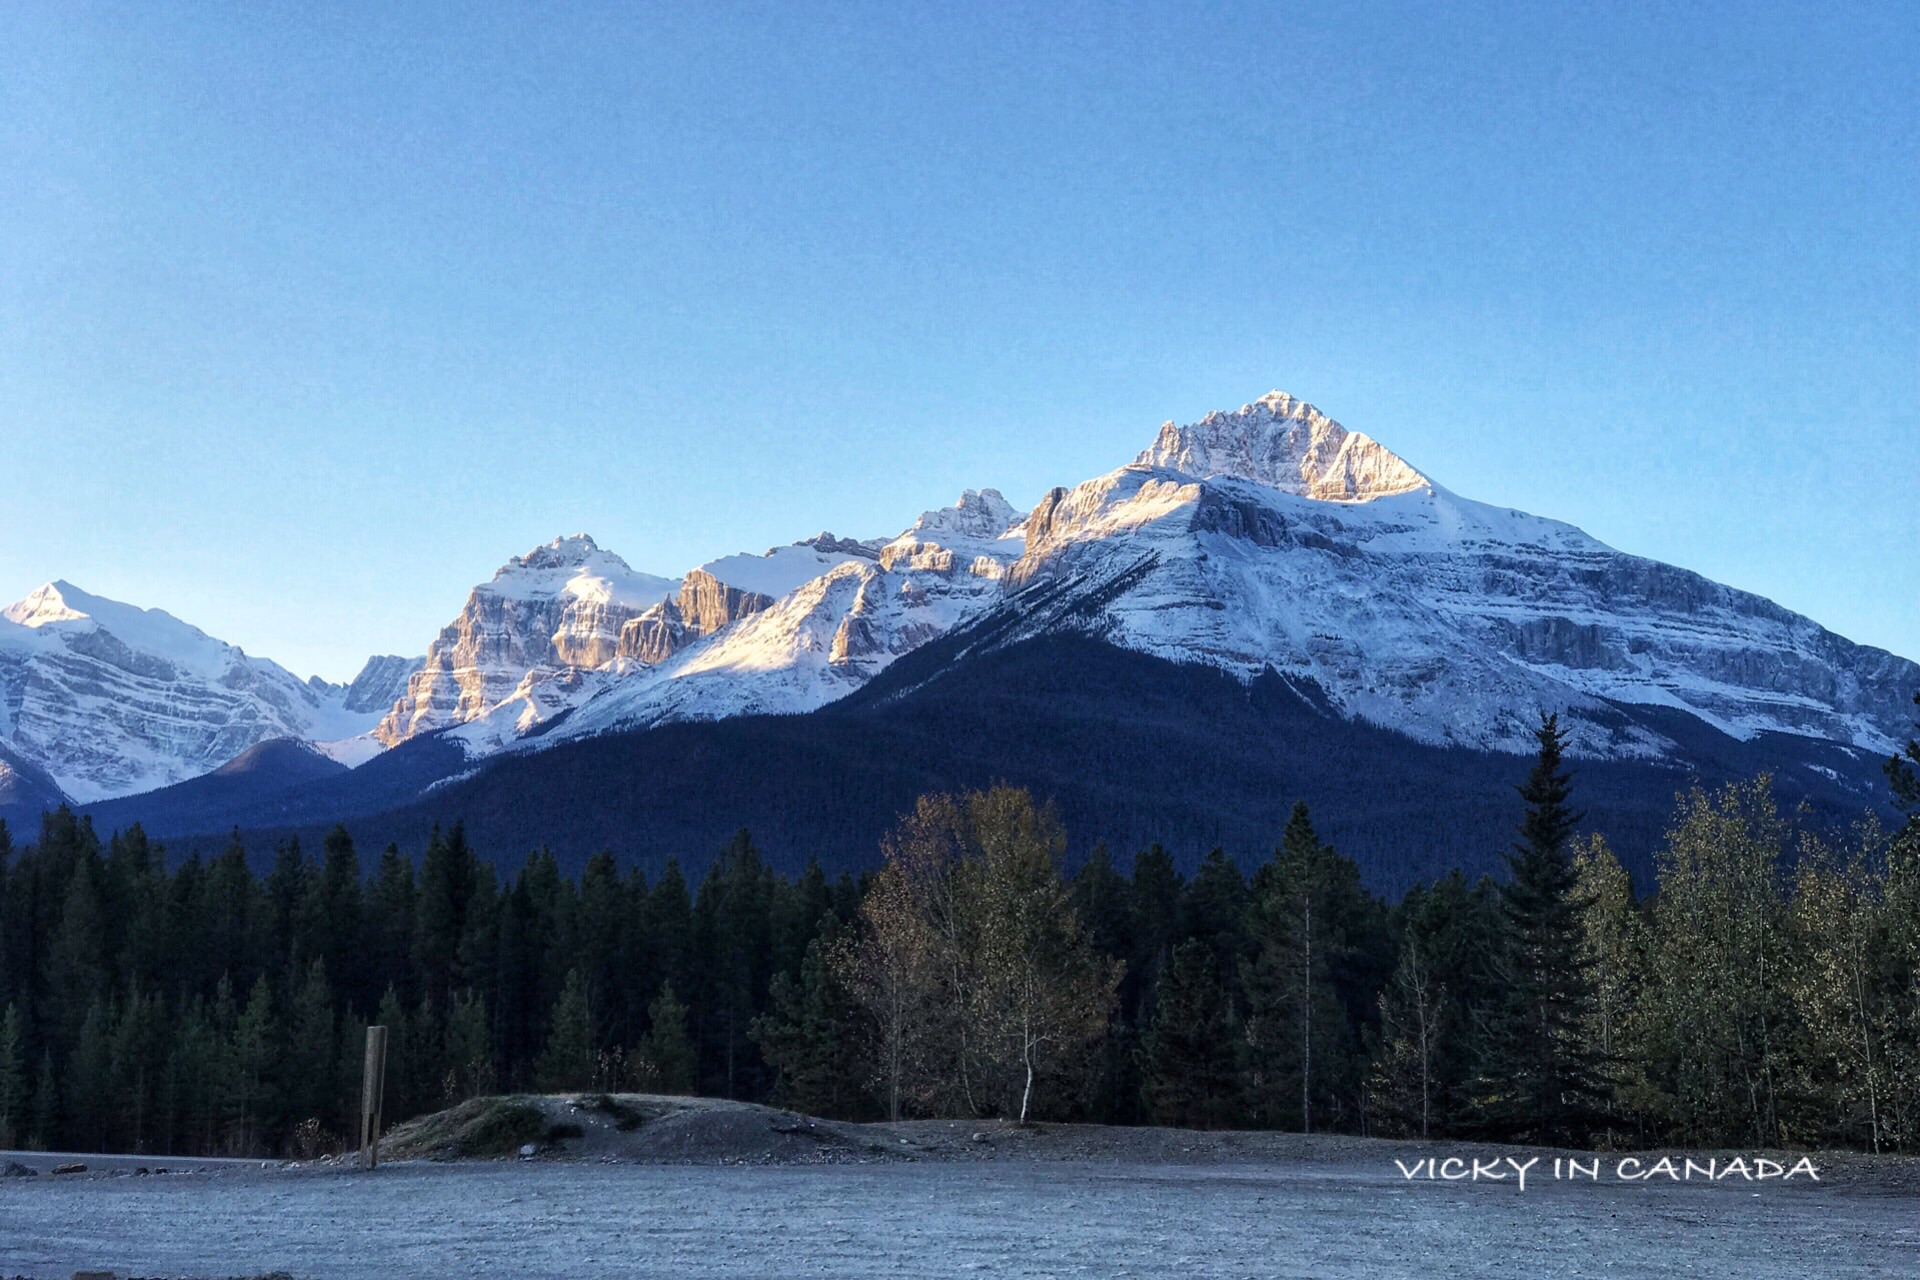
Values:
[(311, 316)]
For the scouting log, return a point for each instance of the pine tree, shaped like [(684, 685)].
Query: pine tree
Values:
[(567, 1061), (340, 920), (667, 1051), (1425, 1049), (470, 1069), (1541, 1081), (600, 951), (46, 1133), (733, 945), (448, 872), (135, 1103), (1156, 893), (669, 929), (87, 1087), (311, 1052), (1214, 911), (287, 897), (409, 1090), (254, 1054), (391, 912), (1306, 902), (13, 1078), (197, 1080), (228, 920), (78, 961), (1189, 1077)]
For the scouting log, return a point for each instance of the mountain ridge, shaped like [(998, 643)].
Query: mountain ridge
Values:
[(1268, 539)]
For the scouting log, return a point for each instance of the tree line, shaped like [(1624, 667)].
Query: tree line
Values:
[(1766, 993)]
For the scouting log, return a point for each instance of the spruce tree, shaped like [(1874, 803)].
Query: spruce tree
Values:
[(256, 1033), (1306, 905), (13, 1078), (1540, 1080), (45, 1134), (1103, 900), (600, 946), (1189, 1077), (470, 1071), (733, 945), (391, 911), (667, 1051), (408, 1092), (447, 878), (568, 1058), (341, 921), (310, 1052), (87, 1087), (810, 1037)]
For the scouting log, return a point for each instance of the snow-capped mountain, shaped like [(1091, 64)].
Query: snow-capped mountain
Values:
[(1265, 540), (101, 699), (1269, 538), (556, 610), (1272, 538)]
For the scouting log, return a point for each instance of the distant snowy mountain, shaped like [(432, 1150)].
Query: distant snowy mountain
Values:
[(102, 699), (1267, 540)]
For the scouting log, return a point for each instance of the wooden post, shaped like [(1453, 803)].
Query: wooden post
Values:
[(373, 1095)]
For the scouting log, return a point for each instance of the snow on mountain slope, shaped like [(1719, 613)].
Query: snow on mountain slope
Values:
[(108, 699), (1447, 619)]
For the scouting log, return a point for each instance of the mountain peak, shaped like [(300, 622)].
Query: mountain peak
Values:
[(1288, 445), (980, 514), (57, 601), (61, 608), (568, 552)]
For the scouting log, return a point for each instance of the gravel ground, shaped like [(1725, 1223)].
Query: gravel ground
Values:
[(1340, 1212)]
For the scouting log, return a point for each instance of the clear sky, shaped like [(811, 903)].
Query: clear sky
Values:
[(310, 316)]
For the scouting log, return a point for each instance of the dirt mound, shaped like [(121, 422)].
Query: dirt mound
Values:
[(635, 1128), (474, 1130)]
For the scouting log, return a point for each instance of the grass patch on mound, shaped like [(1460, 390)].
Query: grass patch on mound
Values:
[(475, 1129)]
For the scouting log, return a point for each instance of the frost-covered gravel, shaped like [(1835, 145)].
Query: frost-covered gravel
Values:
[(1319, 1220)]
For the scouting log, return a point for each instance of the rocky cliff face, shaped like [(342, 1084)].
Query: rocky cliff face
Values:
[(702, 606), (381, 683), (558, 607), (101, 699)]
